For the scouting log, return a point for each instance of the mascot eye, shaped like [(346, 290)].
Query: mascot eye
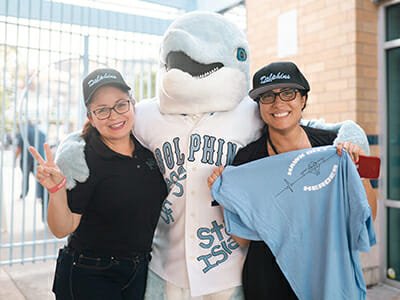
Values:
[(241, 54)]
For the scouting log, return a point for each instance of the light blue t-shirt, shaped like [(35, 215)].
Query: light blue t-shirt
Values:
[(310, 208)]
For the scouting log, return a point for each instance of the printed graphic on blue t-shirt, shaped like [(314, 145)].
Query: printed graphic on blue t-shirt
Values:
[(311, 209)]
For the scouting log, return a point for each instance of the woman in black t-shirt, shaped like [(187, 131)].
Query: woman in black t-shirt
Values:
[(281, 92), (110, 218)]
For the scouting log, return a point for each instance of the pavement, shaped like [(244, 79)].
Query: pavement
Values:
[(29, 281), (33, 281)]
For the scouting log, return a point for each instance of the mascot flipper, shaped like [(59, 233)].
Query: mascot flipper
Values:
[(70, 158)]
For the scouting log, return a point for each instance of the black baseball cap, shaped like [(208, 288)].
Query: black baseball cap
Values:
[(101, 77), (278, 75)]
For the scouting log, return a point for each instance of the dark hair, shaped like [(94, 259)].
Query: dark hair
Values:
[(88, 131), (304, 93)]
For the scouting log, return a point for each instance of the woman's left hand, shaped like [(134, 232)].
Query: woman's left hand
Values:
[(217, 172), (354, 150)]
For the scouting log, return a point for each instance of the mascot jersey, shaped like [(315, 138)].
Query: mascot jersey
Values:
[(191, 247), (314, 207)]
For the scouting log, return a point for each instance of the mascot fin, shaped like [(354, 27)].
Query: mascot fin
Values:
[(70, 158)]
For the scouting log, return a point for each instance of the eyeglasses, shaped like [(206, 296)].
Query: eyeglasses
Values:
[(120, 107), (285, 95)]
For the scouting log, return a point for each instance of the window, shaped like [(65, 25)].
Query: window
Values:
[(393, 121), (393, 22), (392, 56)]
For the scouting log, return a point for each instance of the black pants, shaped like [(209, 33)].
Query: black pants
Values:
[(82, 276), (262, 277)]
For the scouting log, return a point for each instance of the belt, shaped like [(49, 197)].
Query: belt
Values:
[(69, 250)]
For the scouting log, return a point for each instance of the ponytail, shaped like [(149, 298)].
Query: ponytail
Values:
[(88, 131)]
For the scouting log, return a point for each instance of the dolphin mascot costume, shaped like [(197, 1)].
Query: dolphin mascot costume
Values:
[(200, 118)]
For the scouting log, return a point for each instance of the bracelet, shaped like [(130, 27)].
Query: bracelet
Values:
[(58, 186)]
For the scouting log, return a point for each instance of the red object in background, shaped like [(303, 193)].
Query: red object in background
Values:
[(368, 166)]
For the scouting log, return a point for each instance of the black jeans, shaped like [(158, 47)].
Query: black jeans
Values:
[(82, 276)]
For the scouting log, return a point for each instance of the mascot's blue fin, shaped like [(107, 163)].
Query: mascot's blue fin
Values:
[(70, 158)]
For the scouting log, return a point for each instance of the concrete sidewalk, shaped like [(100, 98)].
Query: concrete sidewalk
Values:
[(33, 281)]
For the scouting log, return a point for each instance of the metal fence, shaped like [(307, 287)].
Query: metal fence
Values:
[(46, 48)]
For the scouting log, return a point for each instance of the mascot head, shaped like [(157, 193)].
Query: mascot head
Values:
[(204, 65)]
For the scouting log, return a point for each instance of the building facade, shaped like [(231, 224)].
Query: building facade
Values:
[(350, 52)]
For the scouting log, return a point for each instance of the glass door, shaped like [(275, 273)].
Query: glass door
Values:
[(392, 66)]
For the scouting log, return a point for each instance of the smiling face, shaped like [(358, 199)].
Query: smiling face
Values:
[(200, 53), (283, 115), (117, 126)]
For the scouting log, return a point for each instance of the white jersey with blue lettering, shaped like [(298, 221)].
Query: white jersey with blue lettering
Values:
[(191, 248)]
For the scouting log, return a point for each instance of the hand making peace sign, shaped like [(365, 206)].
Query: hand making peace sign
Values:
[(48, 174)]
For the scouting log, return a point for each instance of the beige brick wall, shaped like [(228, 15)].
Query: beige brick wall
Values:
[(367, 66), (337, 52)]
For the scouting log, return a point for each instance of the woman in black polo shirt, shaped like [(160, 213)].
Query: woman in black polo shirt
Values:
[(110, 218)]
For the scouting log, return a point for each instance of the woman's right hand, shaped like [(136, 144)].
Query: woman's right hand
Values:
[(48, 174), (217, 172)]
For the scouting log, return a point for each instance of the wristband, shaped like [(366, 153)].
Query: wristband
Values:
[(58, 186)]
